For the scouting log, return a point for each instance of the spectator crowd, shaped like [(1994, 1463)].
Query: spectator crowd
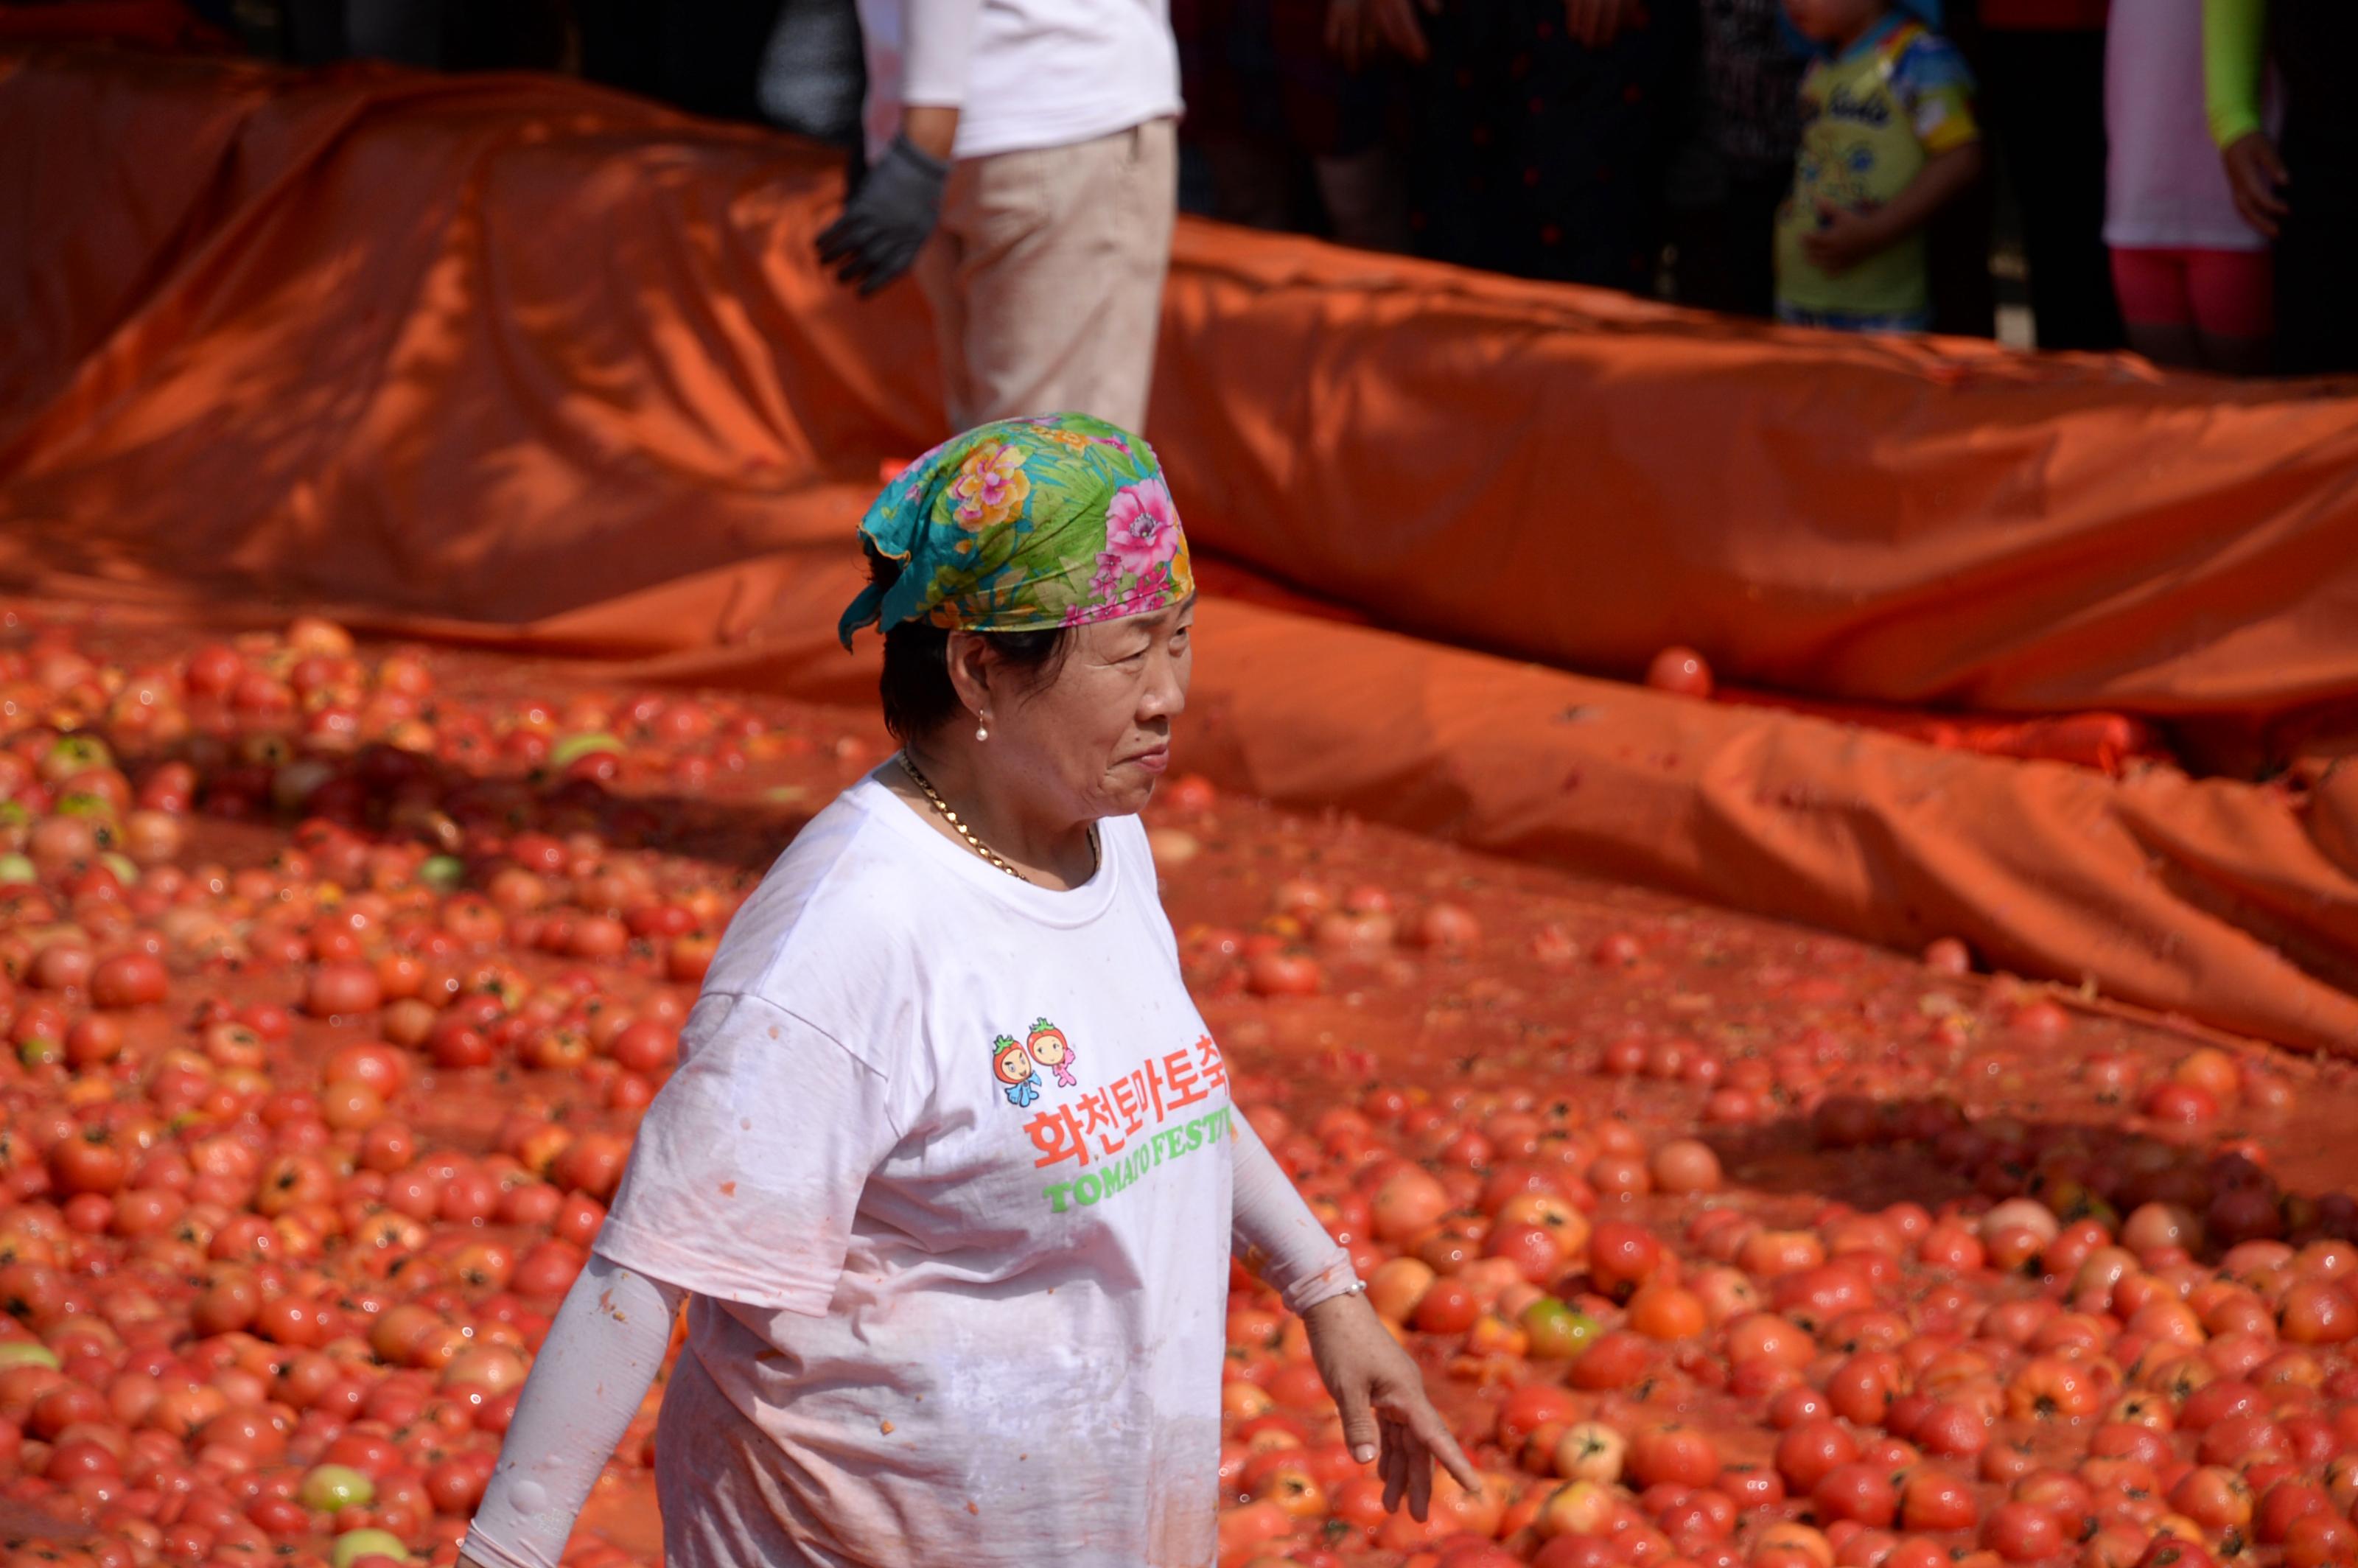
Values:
[(2173, 176), (2176, 174)]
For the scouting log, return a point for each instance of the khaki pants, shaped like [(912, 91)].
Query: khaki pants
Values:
[(1045, 277)]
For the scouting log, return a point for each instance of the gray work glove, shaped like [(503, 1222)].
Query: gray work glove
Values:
[(887, 219)]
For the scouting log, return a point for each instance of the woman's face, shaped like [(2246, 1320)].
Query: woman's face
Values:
[(1095, 740)]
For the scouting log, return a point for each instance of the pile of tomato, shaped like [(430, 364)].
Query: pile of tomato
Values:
[(336, 977)]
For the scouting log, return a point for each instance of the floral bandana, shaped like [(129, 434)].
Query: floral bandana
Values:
[(1025, 525)]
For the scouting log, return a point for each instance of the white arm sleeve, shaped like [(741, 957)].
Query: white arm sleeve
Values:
[(601, 1356), (937, 46), (1274, 1232)]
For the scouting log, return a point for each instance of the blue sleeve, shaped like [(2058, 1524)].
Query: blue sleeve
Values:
[(1931, 80), (1931, 64)]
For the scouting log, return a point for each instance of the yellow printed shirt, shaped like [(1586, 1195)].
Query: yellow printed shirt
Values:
[(1871, 119)]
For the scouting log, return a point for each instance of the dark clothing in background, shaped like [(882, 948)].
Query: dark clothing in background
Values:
[(704, 56), (440, 34), (2317, 259), (814, 78), (2311, 43), (1260, 71), (793, 63), (2044, 94), (1288, 136), (1751, 85), (1534, 155), (1726, 244), (1737, 162)]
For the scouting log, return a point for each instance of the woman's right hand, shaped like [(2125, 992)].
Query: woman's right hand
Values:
[(2257, 176), (1387, 1419)]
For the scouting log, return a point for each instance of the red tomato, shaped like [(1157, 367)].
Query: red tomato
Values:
[(1932, 1500), (1613, 1360), (1283, 974), (1673, 1454), (1531, 1407), (342, 988), (1811, 1450), (2020, 1532), (1680, 671), (648, 1045), (1622, 1255), (1859, 1492), (129, 980), (89, 1162), (1535, 1251)]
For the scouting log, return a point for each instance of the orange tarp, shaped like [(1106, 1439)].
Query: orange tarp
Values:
[(523, 362), (1582, 478)]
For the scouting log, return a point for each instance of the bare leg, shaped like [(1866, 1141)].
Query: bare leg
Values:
[(2238, 356), (1249, 184), (1366, 199), (2174, 347)]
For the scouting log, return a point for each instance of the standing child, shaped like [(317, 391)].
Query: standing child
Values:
[(1887, 139), (2193, 276)]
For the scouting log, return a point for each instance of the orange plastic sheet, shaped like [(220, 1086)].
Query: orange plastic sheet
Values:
[(1583, 478), (2109, 742), (523, 364)]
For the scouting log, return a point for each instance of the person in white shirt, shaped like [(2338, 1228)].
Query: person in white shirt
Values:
[(948, 1178), (1023, 160)]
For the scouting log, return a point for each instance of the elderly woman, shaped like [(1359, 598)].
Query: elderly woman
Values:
[(949, 1175)]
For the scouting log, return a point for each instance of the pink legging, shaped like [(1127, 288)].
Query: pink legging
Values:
[(2221, 294)]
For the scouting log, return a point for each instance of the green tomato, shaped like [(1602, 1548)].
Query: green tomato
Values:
[(1557, 1331), (442, 872), (78, 753), (574, 747), (124, 870), (26, 1353), (17, 871), (328, 1488), (85, 803), (355, 1544), (39, 1051)]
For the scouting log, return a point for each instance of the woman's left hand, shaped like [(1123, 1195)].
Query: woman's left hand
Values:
[(1386, 1417)]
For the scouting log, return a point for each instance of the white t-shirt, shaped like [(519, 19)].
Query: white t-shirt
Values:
[(2165, 188), (1023, 73), (948, 1163)]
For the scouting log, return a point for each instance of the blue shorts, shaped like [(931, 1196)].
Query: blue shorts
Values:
[(1854, 321)]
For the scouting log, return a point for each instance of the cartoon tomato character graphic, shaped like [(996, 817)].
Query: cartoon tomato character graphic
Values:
[(1015, 1071), (1048, 1047)]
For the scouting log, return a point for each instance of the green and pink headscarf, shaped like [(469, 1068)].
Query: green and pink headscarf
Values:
[(1025, 525)]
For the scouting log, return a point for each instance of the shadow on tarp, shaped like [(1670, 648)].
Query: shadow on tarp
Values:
[(532, 366)]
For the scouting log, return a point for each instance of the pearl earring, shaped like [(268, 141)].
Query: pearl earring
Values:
[(982, 731)]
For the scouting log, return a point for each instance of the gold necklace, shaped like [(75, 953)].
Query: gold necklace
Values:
[(934, 799)]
